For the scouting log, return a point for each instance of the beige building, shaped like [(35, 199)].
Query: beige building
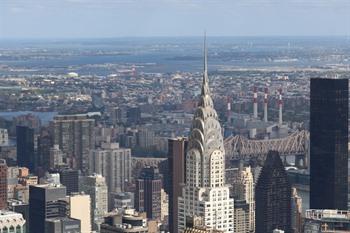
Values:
[(79, 208), (243, 188)]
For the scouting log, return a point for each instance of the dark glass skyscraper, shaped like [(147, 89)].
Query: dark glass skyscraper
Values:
[(273, 197), (25, 147), (329, 143), (176, 177), (45, 201)]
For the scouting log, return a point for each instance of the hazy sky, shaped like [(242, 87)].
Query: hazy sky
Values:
[(119, 18)]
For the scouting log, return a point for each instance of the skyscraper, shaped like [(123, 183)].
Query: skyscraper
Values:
[(25, 147), (96, 187), (75, 136), (148, 193), (205, 193), (176, 164), (45, 201), (329, 107), (3, 184), (273, 197), (243, 188), (114, 163)]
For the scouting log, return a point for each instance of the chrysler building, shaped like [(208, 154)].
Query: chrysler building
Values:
[(205, 194)]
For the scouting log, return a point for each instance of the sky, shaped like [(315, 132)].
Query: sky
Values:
[(147, 18)]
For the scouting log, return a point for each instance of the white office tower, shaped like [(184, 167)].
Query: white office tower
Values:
[(205, 193), (243, 187)]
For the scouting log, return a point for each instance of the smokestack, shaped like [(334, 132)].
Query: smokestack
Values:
[(255, 105), (228, 107), (265, 104), (280, 120)]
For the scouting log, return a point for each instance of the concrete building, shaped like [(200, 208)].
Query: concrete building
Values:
[(62, 225), (273, 197), (3, 184), (95, 186), (327, 221), (12, 222), (79, 208), (243, 189), (122, 200), (173, 184), (164, 206), (329, 106), (114, 163), (45, 201), (148, 193), (205, 193), (55, 157), (75, 136), (127, 221), (241, 223), (4, 137)]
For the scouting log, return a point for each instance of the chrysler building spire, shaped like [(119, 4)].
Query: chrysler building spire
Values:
[(205, 192)]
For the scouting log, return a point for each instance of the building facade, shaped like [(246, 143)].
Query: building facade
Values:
[(173, 184), (273, 197), (297, 210), (114, 163), (79, 208), (12, 222), (75, 136), (329, 143), (327, 221), (148, 193), (205, 193), (25, 147), (3, 184), (95, 186), (45, 201), (243, 189)]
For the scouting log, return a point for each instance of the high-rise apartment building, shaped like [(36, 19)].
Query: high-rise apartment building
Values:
[(79, 208), (329, 106), (148, 193), (75, 136), (3, 184), (114, 163), (4, 137), (173, 183), (273, 197), (45, 201), (205, 193), (243, 189), (95, 186), (25, 147)]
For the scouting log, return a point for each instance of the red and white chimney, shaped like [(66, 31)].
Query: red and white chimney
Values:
[(280, 103), (265, 104), (255, 104)]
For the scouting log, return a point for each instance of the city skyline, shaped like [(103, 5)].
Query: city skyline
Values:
[(135, 18)]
